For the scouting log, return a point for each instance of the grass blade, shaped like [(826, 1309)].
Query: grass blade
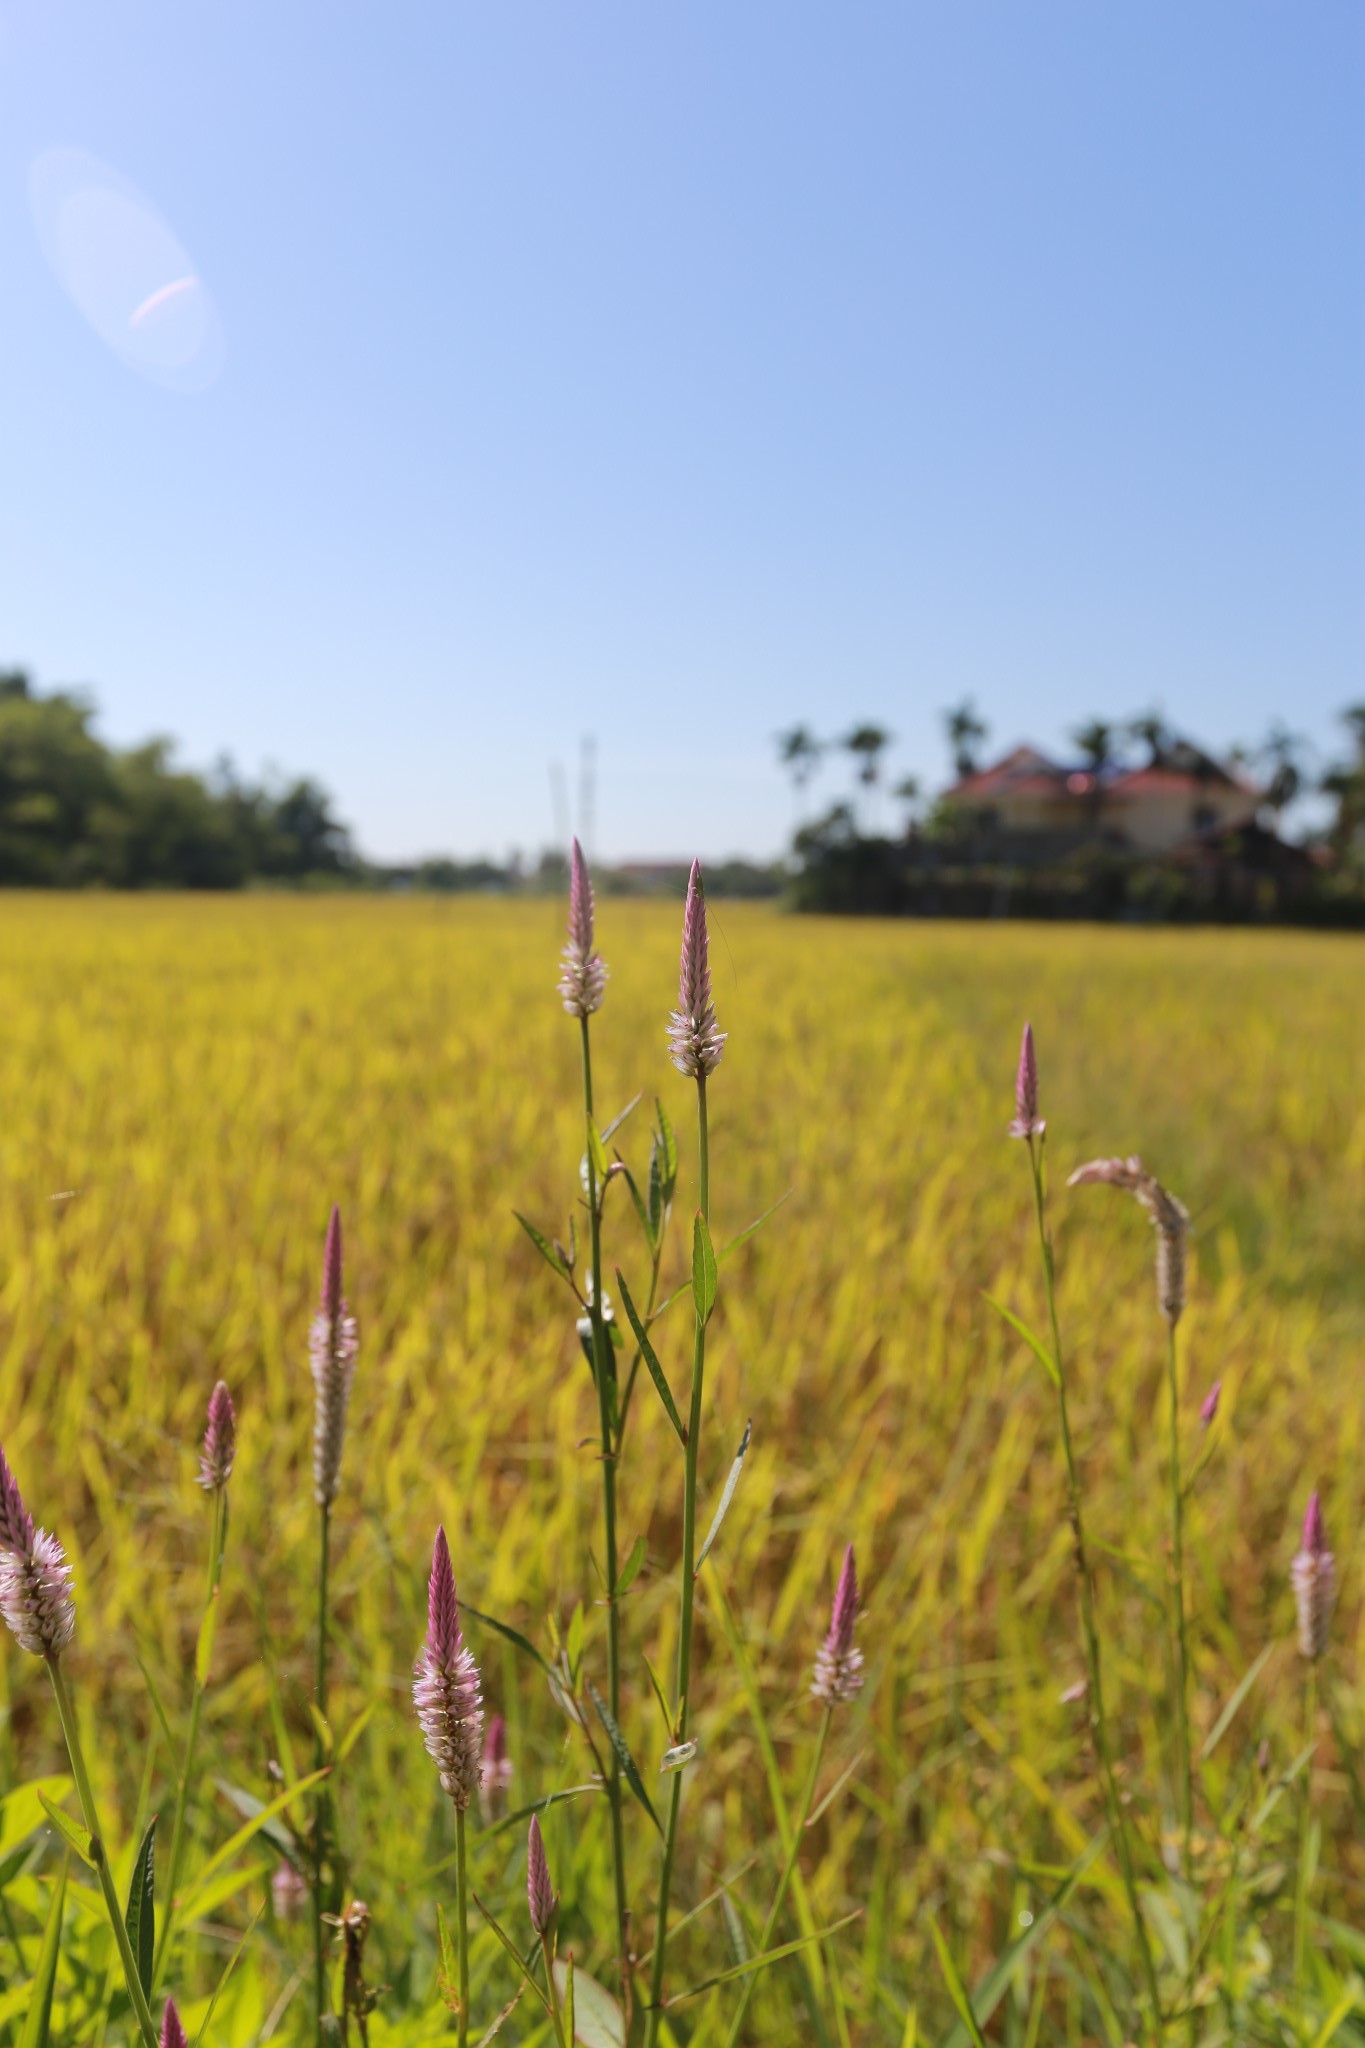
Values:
[(1021, 1329), (957, 1990), (703, 1269), (727, 1496), (38, 2021), (1229, 1713), (769, 1955), (513, 1636)]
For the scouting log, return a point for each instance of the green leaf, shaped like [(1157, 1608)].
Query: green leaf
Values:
[(956, 1989), (23, 1810), (659, 1696), (622, 1754), (630, 1570), (513, 1636), (614, 1126), (597, 1152), (208, 1629), (591, 2015), (246, 1834), (670, 1151), (1229, 1713), (652, 1365), (757, 1224), (656, 1203), (232, 1963), (38, 2020), (522, 1962), (1021, 1329), (251, 1808), (543, 1246), (448, 1964), (1003, 1971), (727, 1496), (573, 1642), (703, 1270), (769, 1955), (76, 1837), (140, 1915), (641, 1211)]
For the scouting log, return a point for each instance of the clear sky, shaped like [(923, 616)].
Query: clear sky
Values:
[(401, 392)]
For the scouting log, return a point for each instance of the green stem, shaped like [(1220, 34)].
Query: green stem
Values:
[(781, 1898), (1182, 1718), (604, 1373), (689, 1576), (97, 1852), (182, 1800), (555, 2013), (461, 1929), (1310, 1711), (320, 1810), (1099, 1725)]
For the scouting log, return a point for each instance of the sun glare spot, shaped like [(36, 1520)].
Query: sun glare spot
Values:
[(161, 297)]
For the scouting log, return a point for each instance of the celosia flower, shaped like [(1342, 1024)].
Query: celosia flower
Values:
[(693, 1040), (35, 1578), (172, 2033), (445, 1687), (1027, 1122), (496, 1773), (540, 1895), (220, 1441), (332, 1348), (583, 976), (1209, 1406), (289, 1890), (1170, 1218), (1314, 1577), (839, 1666)]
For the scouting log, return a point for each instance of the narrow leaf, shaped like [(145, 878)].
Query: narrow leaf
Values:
[(447, 1965), (614, 1126), (703, 1269), (597, 1152), (543, 1245), (251, 1808), (630, 1570), (140, 1915), (570, 2024), (735, 1242), (646, 1222), (513, 1951), (246, 1834), (71, 1831), (1229, 1713), (512, 1635), (232, 1963), (1021, 1329), (652, 1365), (957, 1991), (591, 2015), (208, 1629), (38, 2020), (727, 1496), (622, 1754), (769, 1955), (659, 1696), (670, 1149)]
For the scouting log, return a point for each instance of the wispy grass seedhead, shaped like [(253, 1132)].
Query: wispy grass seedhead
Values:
[(220, 1441), (1170, 1218), (540, 1896), (172, 2033), (446, 1689), (35, 1578), (839, 1665), (332, 1348), (1027, 1122), (1314, 1577), (583, 976), (1209, 1406), (693, 1040)]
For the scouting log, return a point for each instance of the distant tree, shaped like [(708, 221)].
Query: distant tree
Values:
[(1096, 742), (910, 793), (867, 743), (1151, 731), (966, 734), (1283, 754), (1345, 780), (799, 752), (15, 682)]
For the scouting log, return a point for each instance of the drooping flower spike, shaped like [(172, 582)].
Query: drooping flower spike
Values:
[(1209, 1407), (839, 1665), (1027, 1122), (35, 1578), (583, 975), (220, 1441), (172, 2032), (1170, 1218), (446, 1690), (332, 1345), (540, 1895), (693, 1040), (1314, 1578)]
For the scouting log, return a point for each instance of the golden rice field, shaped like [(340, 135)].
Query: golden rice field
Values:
[(186, 1086)]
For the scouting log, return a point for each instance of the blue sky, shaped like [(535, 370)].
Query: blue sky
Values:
[(401, 393)]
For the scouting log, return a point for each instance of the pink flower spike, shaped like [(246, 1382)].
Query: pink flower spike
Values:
[(693, 1040), (330, 1302), (540, 1895), (1110, 1173), (172, 2033), (1313, 1575), (839, 1666), (332, 1345), (220, 1441), (1027, 1122), (16, 1523), (583, 975), (446, 1690), (1210, 1404), (496, 1774)]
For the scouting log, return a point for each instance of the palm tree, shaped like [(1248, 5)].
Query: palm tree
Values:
[(1282, 753), (909, 792), (1096, 742), (1153, 732), (966, 732), (867, 743), (799, 752)]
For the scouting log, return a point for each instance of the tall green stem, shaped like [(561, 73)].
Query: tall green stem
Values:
[(182, 1800), (555, 2013), (461, 1929), (604, 1373), (97, 1850), (1099, 1726), (781, 1896), (1182, 1718), (682, 1700), (1310, 1729), (320, 1811)]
